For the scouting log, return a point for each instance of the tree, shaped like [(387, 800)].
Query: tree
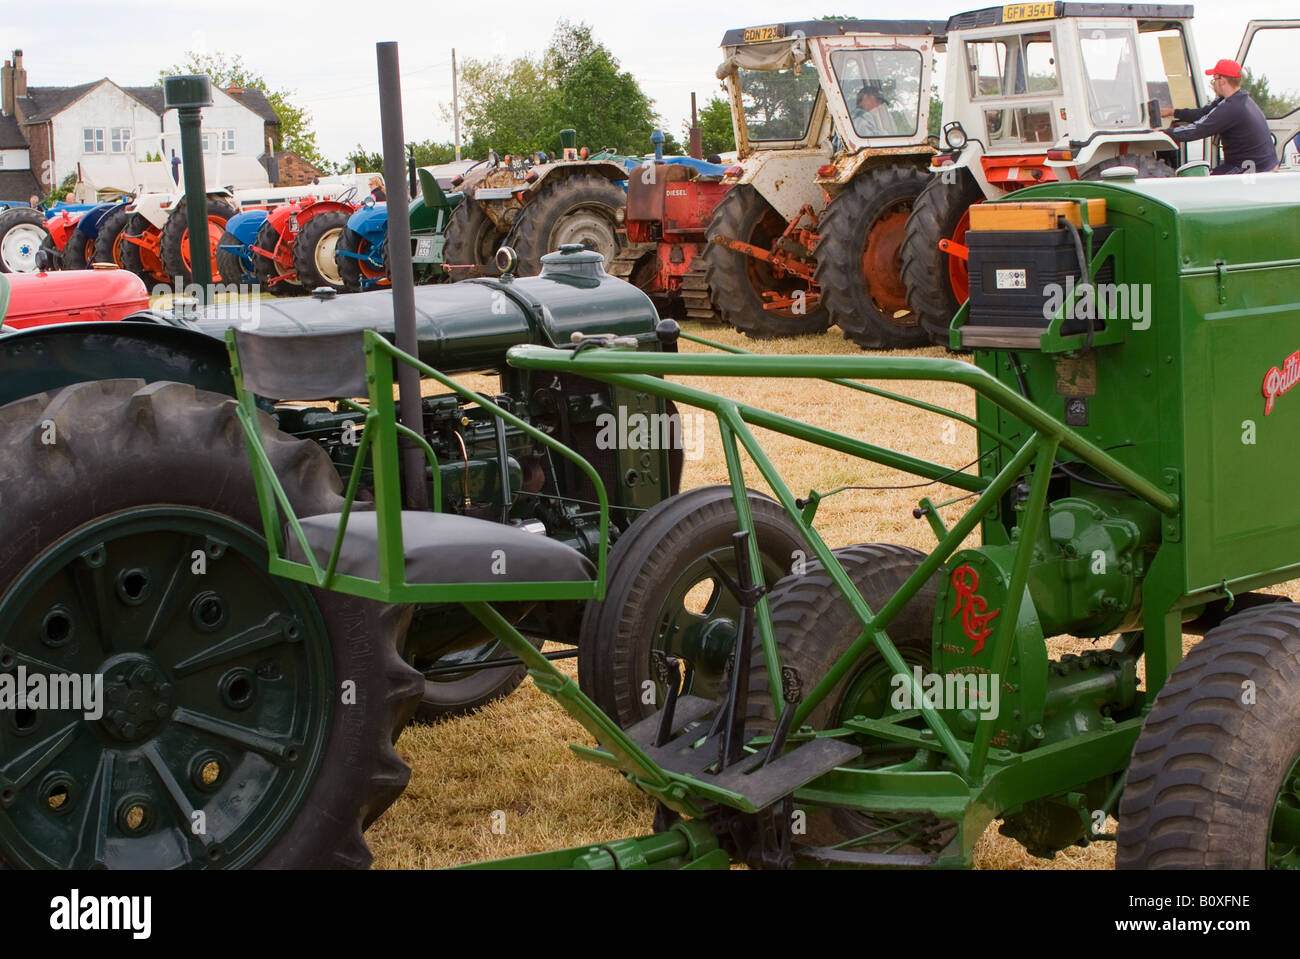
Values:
[(716, 132), (520, 106), (1273, 104), (295, 132)]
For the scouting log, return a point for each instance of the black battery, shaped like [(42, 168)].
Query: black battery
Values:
[(1017, 276)]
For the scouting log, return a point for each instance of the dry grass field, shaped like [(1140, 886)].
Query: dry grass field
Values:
[(513, 756)]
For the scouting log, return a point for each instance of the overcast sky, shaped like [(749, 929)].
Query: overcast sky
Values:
[(325, 50)]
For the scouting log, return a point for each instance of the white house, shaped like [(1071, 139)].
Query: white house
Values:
[(100, 121)]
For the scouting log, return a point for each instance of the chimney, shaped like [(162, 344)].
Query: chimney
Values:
[(234, 91), (20, 76), (7, 89)]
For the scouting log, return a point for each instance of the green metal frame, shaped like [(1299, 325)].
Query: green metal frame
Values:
[(980, 780), (379, 436)]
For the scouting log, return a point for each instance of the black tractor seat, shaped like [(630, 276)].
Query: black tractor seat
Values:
[(444, 548)]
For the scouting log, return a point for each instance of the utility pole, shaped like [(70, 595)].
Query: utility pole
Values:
[(455, 102)]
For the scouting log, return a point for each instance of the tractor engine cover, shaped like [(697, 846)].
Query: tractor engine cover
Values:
[(468, 326)]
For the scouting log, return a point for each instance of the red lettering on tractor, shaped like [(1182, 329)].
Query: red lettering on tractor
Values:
[(974, 620)]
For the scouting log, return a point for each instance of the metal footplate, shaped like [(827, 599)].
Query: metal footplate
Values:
[(692, 751)]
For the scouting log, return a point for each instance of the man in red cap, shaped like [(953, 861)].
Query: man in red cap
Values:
[(1234, 118)]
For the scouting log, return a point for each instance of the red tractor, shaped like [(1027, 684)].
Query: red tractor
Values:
[(669, 208), (294, 249)]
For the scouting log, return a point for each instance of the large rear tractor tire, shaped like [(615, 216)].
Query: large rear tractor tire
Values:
[(472, 241), (859, 268), (175, 239), (266, 269), (737, 282), (937, 282), (1215, 778), (22, 231), (107, 249), (247, 720), (663, 595), (313, 251), (574, 209)]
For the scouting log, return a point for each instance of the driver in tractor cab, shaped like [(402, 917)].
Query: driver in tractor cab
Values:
[(871, 116), (1233, 117)]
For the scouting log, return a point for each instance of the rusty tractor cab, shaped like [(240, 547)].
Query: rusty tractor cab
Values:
[(536, 204), (831, 120), (1041, 92), (670, 205)]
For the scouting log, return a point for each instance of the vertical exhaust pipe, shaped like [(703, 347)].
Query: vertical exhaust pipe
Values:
[(415, 487)]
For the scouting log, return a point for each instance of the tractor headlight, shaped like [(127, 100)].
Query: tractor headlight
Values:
[(954, 136)]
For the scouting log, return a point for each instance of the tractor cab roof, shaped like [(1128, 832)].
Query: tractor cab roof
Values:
[(1024, 12), (775, 32)]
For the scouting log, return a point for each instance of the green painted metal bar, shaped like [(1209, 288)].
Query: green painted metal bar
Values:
[(729, 423), (605, 364), (387, 462), (690, 396), (1004, 642), (561, 686), (874, 391), (379, 343)]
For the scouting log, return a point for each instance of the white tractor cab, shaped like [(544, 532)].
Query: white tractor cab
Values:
[(1039, 92), (1270, 60), (832, 129)]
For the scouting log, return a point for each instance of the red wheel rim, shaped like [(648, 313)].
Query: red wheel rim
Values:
[(881, 266), (216, 229), (368, 271)]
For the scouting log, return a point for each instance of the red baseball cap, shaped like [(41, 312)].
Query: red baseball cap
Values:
[(1225, 68)]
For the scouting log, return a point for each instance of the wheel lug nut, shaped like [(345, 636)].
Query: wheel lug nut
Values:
[(160, 710)]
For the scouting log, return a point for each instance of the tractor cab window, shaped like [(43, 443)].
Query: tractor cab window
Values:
[(1272, 71), (1116, 93), (1166, 69), (882, 90), (1012, 66), (778, 103)]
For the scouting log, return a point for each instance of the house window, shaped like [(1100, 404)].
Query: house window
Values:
[(120, 139), (227, 141), (207, 143), (92, 140)]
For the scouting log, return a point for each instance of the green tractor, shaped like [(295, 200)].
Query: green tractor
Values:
[(536, 204)]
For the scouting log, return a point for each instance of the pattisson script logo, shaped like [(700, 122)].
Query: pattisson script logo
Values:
[(1277, 382)]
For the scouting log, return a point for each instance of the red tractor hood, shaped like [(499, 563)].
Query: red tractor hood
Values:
[(77, 296)]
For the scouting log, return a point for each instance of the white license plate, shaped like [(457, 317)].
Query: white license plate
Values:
[(1012, 280), (424, 247)]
